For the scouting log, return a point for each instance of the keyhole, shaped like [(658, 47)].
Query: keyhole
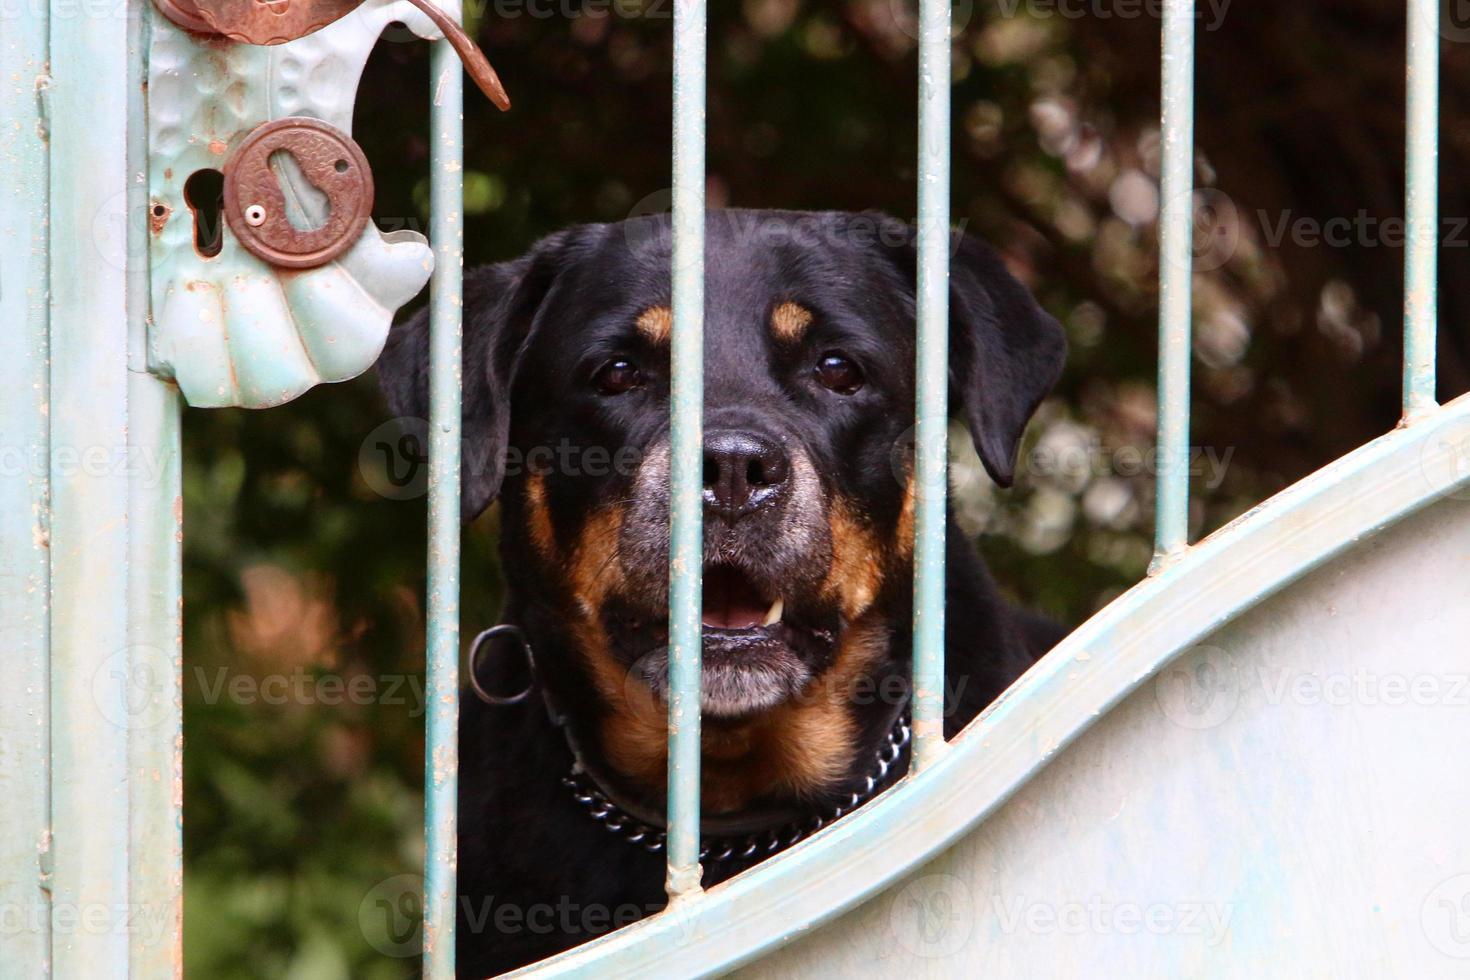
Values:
[(308, 207), (204, 192)]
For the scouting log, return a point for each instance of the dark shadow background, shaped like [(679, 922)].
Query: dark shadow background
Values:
[(301, 801)]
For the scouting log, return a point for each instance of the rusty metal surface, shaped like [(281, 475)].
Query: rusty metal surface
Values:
[(474, 59), (232, 329), (186, 14), (257, 21), (269, 22), (256, 203)]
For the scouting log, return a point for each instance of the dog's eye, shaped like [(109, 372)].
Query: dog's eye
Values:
[(839, 373), (617, 377)]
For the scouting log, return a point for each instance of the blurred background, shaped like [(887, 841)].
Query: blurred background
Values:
[(305, 569)]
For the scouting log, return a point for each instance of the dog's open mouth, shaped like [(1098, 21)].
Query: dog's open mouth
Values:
[(760, 650), (732, 601)]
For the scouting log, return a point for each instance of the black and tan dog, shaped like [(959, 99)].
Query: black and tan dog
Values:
[(809, 395)]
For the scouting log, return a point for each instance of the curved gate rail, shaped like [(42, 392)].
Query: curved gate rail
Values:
[(89, 590)]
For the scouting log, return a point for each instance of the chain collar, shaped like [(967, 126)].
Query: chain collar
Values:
[(716, 850), (591, 792)]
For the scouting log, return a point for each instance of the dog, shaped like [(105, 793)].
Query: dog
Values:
[(808, 499)]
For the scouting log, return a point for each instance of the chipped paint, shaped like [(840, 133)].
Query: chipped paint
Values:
[(931, 449), (446, 191), (686, 551), (26, 719), (158, 215), (1421, 307), (259, 338)]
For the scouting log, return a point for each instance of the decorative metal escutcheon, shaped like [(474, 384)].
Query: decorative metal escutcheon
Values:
[(268, 275), (295, 233)]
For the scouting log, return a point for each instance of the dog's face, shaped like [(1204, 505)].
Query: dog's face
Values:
[(808, 502)]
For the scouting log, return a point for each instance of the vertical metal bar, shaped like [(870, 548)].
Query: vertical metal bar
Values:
[(92, 680), (441, 765), (686, 551), (155, 583), (1421, 302), (155, 670), (1176, 223), (25, 499), (932, 432)]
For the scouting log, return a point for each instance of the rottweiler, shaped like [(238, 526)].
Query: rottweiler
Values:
[(809, 393)]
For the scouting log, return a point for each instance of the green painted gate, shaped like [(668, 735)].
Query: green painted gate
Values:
[(113, 319)]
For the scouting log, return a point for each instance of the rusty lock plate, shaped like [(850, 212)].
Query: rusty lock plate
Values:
[(256, 21), (255, 202), (281, 21)]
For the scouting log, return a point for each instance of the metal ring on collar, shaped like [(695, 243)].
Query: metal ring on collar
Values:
[(481, 643)]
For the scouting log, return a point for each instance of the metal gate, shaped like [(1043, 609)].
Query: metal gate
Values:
[(100, 347)]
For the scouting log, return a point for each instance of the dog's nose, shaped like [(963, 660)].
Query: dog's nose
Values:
[(742, 472)]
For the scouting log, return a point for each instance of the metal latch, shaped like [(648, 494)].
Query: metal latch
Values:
[(268, 274), (281, 21)]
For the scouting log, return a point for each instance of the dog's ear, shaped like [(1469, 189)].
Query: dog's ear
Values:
[(500, 303), (1006, 352)]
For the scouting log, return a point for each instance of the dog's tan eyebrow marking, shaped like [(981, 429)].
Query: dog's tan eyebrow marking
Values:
[(789, 321), (655, 324)]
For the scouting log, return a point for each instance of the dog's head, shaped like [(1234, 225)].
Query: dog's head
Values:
[(808, 497)]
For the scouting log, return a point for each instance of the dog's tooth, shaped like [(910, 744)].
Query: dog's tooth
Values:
[(773, 616)]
